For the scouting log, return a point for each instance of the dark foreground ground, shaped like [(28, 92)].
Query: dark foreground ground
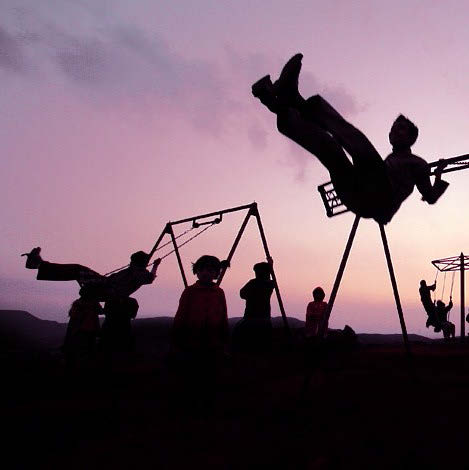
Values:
[(366, 409)]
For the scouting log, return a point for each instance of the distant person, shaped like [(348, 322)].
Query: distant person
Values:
[(82, 329), (427, 302), (442, 322), (254, 331), (120, 284), (315, 314), (200, 332), (369, 187)]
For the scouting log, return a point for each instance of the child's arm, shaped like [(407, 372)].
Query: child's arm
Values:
[(430, 193), (149, 277), (246, 290), (154, 268)]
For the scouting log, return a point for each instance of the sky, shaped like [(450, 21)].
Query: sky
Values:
[(119, 116)]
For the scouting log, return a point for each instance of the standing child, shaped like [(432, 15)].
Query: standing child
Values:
[(200, 331), (315, 312), (82, 329), (254, 331)]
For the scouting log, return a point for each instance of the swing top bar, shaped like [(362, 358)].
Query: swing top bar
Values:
[(452, 264), (461, 165), (252, 206)]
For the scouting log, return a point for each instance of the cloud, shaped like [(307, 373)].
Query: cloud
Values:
[(116, 62), (11, 54)]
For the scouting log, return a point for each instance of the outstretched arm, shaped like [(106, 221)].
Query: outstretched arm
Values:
[(431, 193)]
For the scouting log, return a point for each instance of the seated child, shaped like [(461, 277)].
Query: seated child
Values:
[(315, 312), (442, 323)]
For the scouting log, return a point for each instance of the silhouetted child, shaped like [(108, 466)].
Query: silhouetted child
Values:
[(254, 331), (315, 314), (120, 284), (368, 186), (116, 331), (427, 302), (442, 323), (82, 329), (200, 332)]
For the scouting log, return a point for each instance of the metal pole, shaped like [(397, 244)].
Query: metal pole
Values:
[(463, 320), (269, 259), (163, 233), (169, 230), (394, 288), (338, 277), (235, 245)]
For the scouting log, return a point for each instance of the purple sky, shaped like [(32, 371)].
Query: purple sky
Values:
[(118, 116)]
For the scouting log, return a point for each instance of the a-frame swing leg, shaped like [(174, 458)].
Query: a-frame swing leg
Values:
[(274, 278), (339, 275), (330, 304), (235, 245), (253, 211), (394, 288), (169, 229)]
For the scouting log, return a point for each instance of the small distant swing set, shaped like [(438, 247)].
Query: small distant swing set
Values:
[(334, 206), (198, 221), (456, 263)]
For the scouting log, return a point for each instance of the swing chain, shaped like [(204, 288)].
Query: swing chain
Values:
[(190, 239), (159, 248)]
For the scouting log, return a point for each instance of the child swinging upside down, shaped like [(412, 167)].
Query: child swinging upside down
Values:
[(369, 187)]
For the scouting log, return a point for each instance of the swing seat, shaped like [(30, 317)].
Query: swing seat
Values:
[(332, 203)]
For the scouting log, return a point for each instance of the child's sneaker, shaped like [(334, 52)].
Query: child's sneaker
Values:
[(33, 258)]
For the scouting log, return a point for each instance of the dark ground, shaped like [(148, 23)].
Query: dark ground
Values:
[(366, 409)]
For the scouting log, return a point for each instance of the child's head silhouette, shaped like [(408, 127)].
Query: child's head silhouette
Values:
[(262, 270), (318, 294), (207, 268)]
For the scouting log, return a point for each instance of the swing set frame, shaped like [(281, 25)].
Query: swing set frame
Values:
[(198, 220), (456, 263), (334, 206)]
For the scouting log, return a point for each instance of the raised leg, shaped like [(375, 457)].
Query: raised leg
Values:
[(314, 139), (365, 157)]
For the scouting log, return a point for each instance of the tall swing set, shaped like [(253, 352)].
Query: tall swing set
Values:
[(334, 207)]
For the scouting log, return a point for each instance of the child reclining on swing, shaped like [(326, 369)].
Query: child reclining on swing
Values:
[(440, 319), (118, 285), (369, 187), (437, 311)]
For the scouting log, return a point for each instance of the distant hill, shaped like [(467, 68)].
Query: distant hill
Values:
[(19, 330), (375, 338)]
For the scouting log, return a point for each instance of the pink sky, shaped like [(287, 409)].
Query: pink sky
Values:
[(119, 116)]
